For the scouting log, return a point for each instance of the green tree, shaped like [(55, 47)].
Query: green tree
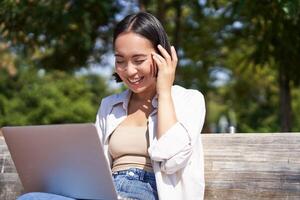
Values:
[(57, 34), (57, 37), (252, 94), (273, 28), (36, 97), (208, 33)]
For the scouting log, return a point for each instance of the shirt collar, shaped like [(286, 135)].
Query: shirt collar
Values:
[(124, 97), (155, 101)]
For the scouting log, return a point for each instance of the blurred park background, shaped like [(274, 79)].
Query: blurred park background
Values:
[(56, 59)]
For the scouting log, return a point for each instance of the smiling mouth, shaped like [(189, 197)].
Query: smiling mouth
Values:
[(135, 81)]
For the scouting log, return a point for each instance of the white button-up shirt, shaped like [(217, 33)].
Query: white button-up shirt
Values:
[(177, 156)]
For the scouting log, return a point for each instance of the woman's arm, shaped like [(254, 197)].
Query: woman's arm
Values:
[(176, 132), (166, 74), (175, 147)]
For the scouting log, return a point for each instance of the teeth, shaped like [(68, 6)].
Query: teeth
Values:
[(135, 80)]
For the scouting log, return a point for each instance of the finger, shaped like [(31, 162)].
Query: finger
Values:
[(159, 57), (165, 54), (158, 60), (174, 56)]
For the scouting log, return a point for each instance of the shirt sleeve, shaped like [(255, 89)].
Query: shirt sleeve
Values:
[(99, 123), (175, 147)]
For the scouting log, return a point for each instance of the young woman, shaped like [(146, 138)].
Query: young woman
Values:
[(151, 131)]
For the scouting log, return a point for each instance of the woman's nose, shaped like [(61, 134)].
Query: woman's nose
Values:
[(131, 69)]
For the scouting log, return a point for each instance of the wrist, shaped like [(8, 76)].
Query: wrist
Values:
[(164, 94)]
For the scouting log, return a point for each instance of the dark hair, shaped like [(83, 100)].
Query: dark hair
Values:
[(146, 25)]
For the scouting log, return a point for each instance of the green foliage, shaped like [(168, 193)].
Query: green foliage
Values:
[(67, 35), (56, 34), (274, 29), (250, 41), (51, 35), (252, 93), (291, 8), (33, 97)]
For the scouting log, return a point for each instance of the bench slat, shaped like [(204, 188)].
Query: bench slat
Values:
[(252, 166), (237, 166)]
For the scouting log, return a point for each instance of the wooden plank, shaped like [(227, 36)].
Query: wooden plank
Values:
[(252, 166), (237, 166), (10, 186), (6, 162), (243, 194)]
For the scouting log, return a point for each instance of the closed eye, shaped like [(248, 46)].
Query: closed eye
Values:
[(138, 62), (119, 61)]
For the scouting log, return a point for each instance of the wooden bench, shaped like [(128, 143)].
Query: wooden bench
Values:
[(237, 166)]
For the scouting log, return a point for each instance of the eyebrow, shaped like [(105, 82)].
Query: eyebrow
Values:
[(134, 56)]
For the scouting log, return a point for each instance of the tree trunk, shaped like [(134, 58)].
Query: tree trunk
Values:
[(206, 128), (285, 100)]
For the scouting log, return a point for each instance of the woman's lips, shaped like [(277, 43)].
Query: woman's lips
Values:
[(135, 81)]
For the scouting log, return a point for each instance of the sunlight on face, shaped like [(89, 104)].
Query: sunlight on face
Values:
[(134, 63)]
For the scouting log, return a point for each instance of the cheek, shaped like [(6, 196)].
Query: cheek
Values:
[(147, 67)]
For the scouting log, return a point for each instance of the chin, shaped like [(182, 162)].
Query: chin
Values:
[(144, 87), (137, 90)]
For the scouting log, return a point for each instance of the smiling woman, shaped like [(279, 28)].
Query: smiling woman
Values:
[(150, 132), (134, 62), (147, 28)]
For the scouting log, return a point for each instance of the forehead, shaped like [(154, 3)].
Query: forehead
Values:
[(130, 43)]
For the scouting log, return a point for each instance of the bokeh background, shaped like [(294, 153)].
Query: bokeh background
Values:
[(56, 59)]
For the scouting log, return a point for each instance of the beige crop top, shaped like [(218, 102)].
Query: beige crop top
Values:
[(128, 146)]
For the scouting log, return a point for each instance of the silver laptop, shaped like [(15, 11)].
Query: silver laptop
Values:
[(66, 160)]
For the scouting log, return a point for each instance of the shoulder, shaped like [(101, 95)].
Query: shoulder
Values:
[(109, 101), (114, 98), (182, 94), (188, 103)]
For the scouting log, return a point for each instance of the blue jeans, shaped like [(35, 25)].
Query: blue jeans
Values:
[(130, 184)]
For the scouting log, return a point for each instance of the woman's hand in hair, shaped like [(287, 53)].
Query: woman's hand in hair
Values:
[(166, 66)]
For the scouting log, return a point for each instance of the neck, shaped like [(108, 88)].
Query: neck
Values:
[(145, 96)]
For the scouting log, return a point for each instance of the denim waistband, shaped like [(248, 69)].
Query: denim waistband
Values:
[(139, 173)]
